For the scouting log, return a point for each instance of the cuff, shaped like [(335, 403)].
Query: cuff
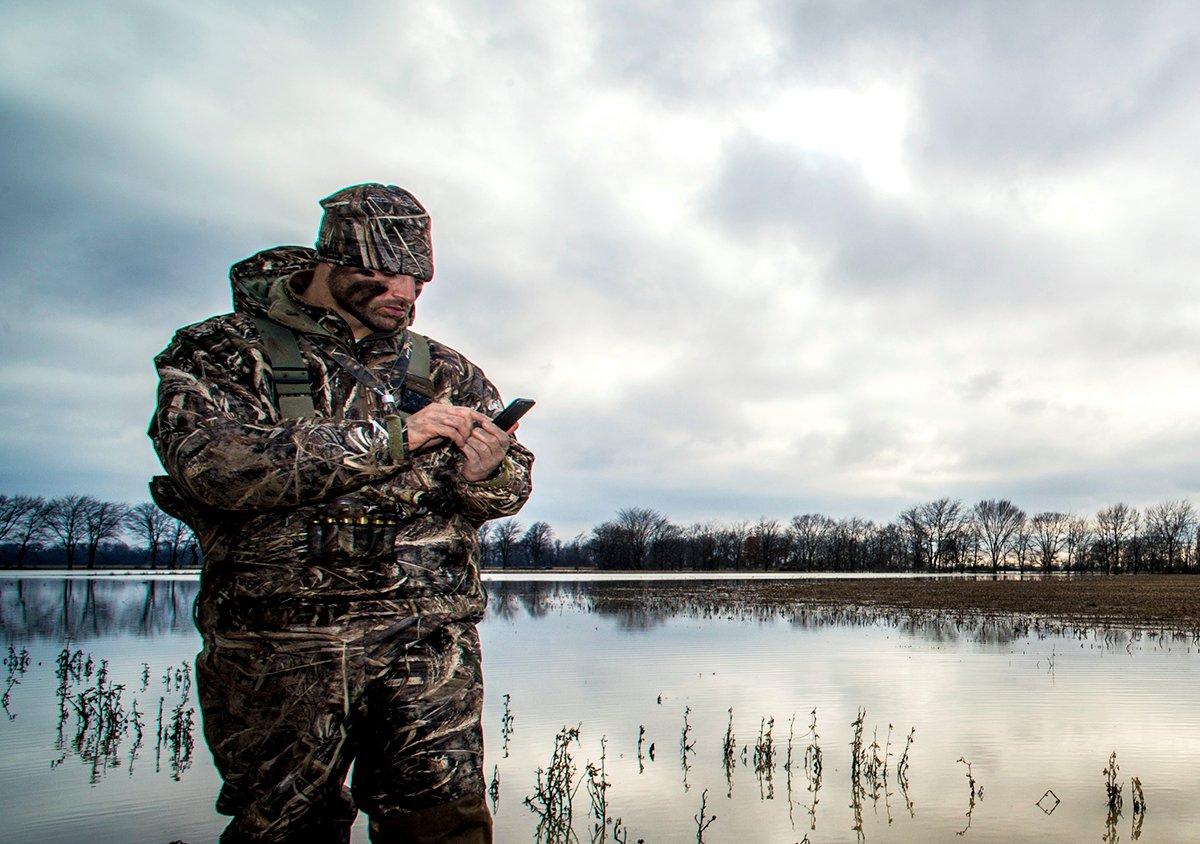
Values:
[(499, 479)]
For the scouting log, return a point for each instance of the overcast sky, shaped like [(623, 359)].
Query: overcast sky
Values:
[(752, 258)]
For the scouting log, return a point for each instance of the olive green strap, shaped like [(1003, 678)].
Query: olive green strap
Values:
[(293, 388), (397, 437), (418, 378)]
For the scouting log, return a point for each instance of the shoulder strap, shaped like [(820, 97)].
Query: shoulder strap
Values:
[(419, 379), (293, 389)]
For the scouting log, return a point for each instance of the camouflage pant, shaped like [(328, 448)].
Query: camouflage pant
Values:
[(285, 714)]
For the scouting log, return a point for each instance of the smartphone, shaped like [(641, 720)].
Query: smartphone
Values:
[(512, 414)]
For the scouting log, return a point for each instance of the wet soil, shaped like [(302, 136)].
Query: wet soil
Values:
[(1129, 600)]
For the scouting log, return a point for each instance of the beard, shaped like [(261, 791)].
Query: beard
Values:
[(355, 296)]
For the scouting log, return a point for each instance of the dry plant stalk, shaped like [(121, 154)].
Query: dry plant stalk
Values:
[(703, 821), (728, 754), (555, 792)]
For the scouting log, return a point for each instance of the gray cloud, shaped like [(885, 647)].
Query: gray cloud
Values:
[(982, 384), (875, 244), (716, 323)]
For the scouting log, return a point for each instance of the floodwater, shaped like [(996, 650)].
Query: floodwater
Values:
[(1032, 709)]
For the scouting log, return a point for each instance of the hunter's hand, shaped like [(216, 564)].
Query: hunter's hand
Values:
[(442, 421), (485, 448)]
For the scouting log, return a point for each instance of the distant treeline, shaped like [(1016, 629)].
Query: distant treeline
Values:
[(79, 531), (941, 535)]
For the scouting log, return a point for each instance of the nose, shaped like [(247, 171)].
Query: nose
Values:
[(401, 287)]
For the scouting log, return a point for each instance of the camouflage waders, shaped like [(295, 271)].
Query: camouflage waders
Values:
[(285, 715)]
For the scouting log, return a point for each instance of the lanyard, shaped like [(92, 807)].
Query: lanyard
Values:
[(364, 376)]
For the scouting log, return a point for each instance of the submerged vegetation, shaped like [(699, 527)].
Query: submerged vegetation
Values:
[(1115, 797), (870, 764), (553, 799), (108, 722), (103, 724)]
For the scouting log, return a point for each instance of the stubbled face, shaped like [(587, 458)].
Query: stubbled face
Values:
[(380, 301)]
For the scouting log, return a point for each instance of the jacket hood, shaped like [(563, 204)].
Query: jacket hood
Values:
[(259, 286), (253, 277)]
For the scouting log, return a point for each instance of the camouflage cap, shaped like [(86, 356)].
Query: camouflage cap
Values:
[(379, 227)]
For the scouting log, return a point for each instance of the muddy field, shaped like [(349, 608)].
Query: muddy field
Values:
[(1171, 601)]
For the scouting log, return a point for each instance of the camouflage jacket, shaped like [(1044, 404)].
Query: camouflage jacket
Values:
[(310, 524)]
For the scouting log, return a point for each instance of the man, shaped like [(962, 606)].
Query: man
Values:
[(336, 467)]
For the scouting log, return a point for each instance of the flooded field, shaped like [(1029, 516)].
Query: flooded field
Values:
[(614, 714)]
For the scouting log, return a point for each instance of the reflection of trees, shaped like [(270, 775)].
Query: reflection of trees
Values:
[(644, 605), (534, 598), (83, 609), (637, 619), (502, 603)]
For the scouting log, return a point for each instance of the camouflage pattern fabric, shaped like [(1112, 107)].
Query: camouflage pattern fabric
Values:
[(315, 541), (379, 227), (259, 487), (284, 720)]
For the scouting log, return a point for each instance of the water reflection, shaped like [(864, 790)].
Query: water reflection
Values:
[(84, 609), (1006, 696), (81, 609), (15, 666), (645, 607)]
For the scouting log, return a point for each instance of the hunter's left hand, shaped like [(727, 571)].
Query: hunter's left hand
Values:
[(485, 448)]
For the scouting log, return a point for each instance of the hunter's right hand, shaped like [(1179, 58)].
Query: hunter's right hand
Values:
[(442, 421)]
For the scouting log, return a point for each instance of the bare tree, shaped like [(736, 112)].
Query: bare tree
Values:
[(885, 547), (669, 549), (484, 536), (177, 538), (942, 523), (1049, 537), (1000, 521), (1168, 526), (640, 527), (573, 553), (702, 547), (507, 531), (912, 526), (66, 521), (102, 521), (23, 521), (1079, 534), (967, 545), (1116, 526), (13, 510), (765, 545), (149, 524), (731, 544), (538, 543), (848, 543), (808, 536)]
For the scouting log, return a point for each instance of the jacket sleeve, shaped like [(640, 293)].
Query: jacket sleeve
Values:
[(507, 489), (502, 494), (220, 437)]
